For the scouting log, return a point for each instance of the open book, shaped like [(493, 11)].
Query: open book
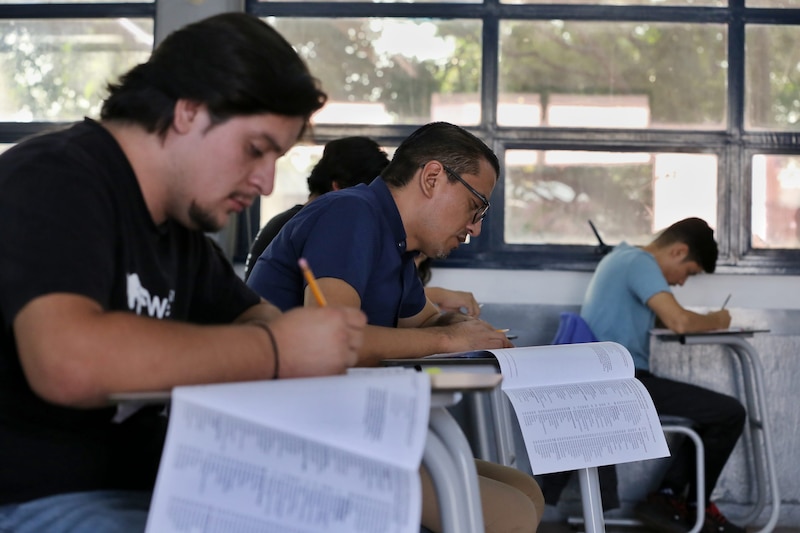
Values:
[(578, 405), (332, 454)]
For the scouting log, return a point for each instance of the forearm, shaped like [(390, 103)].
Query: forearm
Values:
[(393, 343), (691, 322), (464, 335), (89, 357)]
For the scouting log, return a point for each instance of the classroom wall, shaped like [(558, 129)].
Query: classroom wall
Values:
[(557, 287), (529, 302)]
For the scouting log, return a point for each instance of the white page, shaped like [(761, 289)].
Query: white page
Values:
[(335, 454), (579, 406), (563, 363), (580, 425)]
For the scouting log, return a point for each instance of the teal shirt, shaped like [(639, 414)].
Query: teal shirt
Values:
[(615, 304)]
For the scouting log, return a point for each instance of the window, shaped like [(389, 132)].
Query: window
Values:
[(55, 61), (629, 113)]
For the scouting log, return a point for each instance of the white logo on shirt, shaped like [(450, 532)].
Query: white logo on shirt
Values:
[(140, 299)]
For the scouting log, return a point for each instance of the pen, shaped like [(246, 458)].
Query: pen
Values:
[(725, 302), (312, 282)]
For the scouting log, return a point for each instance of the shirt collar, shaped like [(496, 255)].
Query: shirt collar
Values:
[(386, 202)]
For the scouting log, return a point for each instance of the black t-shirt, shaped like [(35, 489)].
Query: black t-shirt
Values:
[(74, 220)]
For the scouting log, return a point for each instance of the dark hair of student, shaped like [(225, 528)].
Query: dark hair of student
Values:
[(424, 271), (698, 236), (234, 63), (347, 161), (451, 145)]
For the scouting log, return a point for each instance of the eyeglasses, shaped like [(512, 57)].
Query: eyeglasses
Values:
[(480, 214)]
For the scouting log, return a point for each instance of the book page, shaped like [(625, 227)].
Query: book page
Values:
[(586, 424), (563, 363), (333, 454)]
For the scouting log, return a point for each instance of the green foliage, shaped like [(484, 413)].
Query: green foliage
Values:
[(59, 72)]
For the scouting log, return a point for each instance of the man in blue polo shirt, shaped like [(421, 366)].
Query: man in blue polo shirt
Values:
[(361, 243)]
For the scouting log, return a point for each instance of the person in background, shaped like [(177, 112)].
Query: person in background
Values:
[(361, 243), (139, 298), (629, 291)]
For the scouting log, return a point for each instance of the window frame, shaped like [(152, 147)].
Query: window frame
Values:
[(734, 146)]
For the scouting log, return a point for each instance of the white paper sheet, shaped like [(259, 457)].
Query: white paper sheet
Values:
[(580, 406), (335, 454)]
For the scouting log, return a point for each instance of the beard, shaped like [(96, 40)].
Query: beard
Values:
[(440, 253), (203, 220)]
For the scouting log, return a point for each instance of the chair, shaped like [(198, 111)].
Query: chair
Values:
[(572, 329)]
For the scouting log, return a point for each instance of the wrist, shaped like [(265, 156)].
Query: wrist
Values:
[(273, 344)]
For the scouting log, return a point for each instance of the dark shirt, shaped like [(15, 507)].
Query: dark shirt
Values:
[(265, 236), (75, 221), (355, 235)]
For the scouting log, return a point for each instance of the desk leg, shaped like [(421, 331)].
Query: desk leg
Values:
[(758, 422), (478, 406), (504, 432), (446, 480), (592, 504), (448, 430)]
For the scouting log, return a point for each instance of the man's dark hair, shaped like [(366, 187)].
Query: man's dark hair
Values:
[(698, 236), (451, 145), (347, 161), (234, 63)]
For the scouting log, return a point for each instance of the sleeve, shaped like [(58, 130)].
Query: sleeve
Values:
[(57, 233), (342, 241), (645, 279)]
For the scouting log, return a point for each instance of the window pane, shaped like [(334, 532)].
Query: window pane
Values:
[(57, 70), (550, 194), (291, 174), (776, 201), (290, 187), (773, 3), (612, 75), (392, 71), (71, 1), (715, 3), (388, 1), (772, 92)]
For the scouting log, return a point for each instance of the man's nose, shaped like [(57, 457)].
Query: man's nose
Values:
[(474, 228), (263, 177)]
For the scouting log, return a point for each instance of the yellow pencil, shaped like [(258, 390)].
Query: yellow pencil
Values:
[(312, 282)]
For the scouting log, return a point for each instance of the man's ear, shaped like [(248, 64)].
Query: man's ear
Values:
[(335, 186), (679, 251), (186, 112), (430, 177)]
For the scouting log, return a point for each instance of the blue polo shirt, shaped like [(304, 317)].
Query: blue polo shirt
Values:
[(355, 235), (615, 304)]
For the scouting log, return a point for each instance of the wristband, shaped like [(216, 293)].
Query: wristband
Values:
[(277, 359)]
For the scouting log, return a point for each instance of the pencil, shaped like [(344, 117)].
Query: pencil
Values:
[(726, 301), (312, 282)]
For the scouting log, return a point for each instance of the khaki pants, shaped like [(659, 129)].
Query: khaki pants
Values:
[(511, 500)]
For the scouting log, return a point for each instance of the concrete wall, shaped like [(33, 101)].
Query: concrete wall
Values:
[(529, 302)]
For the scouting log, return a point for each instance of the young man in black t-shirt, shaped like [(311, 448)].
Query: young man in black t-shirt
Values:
[(108, 283)]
